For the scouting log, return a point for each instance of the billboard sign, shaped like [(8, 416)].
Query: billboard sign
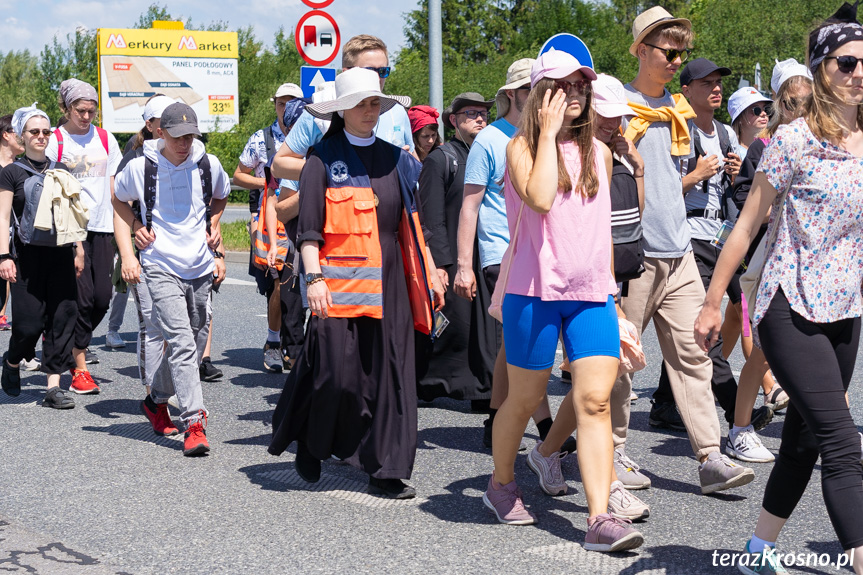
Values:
[(197, 68)]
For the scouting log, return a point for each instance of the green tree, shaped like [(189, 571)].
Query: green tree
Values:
[(19, 80)]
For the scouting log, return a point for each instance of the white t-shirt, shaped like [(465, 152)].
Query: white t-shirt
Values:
[(91, 165), (179, 214)]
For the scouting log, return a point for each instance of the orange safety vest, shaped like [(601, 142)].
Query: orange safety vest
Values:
[(261, 239), (351, 255)]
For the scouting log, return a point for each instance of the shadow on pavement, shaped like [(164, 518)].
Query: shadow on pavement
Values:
[(140, 432), (459, 438), (261, 379), (247, 357), (114, 408)]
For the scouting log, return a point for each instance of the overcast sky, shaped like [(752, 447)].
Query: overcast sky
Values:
[(31, 24)]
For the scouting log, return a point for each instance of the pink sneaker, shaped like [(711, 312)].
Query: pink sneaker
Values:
[(506, 502), (608, 533)]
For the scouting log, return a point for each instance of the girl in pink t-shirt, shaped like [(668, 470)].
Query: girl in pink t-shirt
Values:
[(560, 281)]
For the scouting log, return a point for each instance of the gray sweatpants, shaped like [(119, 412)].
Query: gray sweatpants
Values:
[(180, 313)]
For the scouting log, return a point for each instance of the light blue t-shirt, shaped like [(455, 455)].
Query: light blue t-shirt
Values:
[(486, 163), (394, 126)]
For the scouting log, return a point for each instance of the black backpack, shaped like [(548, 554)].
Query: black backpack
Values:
[(626, 231), (728, 210), (26, 228), (151, 178)]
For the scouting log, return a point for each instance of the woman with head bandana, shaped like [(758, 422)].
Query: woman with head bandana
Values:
[(92, 155), (42, 277), (806, 317)]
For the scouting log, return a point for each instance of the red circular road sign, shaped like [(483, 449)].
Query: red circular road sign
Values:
[(318, 29), (317, 4)]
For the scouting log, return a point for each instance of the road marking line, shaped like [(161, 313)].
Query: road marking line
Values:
[(340, 488), (26, 399), (594, 562), (232, 281)]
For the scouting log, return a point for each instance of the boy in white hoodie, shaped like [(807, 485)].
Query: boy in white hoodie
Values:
[(181, 259)]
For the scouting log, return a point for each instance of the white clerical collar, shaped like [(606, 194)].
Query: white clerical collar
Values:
[(356, 141)]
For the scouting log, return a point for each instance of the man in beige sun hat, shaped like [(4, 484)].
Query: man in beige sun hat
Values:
[(670, 292), (517, 78)]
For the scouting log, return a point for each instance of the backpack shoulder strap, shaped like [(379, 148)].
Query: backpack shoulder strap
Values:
[(270, 143), (452, 164), (27, 168), (151, 177), (206, 172), (59, 134), (103, 136), (724, 139)]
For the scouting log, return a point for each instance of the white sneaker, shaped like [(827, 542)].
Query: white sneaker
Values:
[(747, 446), (31, 365), (114, 341), (633, 396), (624, 505)]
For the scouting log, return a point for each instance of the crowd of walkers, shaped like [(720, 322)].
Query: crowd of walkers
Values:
[(454, 269)]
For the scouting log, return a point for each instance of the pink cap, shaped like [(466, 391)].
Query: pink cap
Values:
[(556, 64)]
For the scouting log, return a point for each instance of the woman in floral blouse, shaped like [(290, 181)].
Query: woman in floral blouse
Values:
[(808, 307)]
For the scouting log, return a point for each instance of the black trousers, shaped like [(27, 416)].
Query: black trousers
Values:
[(94, 286), (814, 363), (723, 383), (44, 300), (293, 315)]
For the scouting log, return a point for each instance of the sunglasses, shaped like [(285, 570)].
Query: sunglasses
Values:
[(758, 110), (581, 87), (846, 64), (671, 54), (45, 132), (474, 114), (383, 71)]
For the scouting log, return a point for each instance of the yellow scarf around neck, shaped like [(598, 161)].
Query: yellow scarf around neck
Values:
[(677, 116)]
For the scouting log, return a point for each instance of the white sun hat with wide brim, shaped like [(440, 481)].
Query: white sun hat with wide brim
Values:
[(352, 87)]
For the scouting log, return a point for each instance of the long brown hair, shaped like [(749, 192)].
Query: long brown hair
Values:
[(822, 113), (579, 131)]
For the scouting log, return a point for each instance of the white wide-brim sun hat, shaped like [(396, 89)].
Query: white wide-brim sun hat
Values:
[(352, 87)]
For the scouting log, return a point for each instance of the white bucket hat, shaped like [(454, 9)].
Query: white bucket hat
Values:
[(785, 70), (352, 87), (517, 75), (742, 99), (609, 97)]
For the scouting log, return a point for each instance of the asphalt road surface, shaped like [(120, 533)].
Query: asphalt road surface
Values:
[(93, 491)]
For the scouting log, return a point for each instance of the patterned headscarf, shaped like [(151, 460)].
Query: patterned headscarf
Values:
[(838, 30), (72, 90), (21, 115), (293, 111)]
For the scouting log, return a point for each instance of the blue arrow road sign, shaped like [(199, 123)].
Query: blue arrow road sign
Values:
[(311, 78), (571, 44)]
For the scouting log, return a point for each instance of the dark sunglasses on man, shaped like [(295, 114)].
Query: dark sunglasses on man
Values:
[(672, 54), (383, 71)]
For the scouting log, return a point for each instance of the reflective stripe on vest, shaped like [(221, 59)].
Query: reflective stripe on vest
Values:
[(351, 256)]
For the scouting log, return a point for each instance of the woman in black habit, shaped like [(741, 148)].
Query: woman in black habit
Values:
[(352, 393)]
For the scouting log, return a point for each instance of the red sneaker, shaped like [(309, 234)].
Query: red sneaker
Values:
[(82, 383), (196, 438), (159, 417)]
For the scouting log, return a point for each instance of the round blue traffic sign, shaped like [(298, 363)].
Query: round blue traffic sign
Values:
[(571, 44)]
